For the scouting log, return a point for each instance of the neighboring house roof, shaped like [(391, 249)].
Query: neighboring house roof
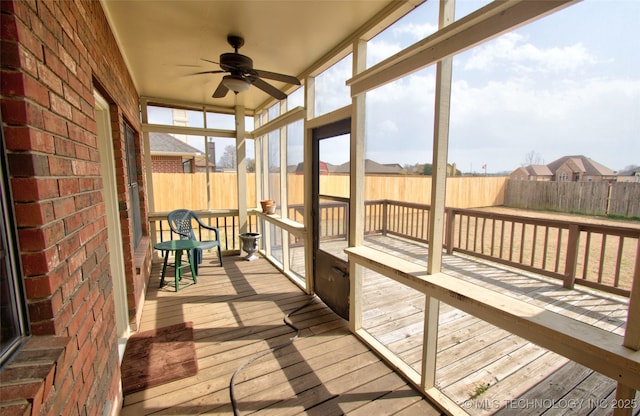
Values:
[(167, 145), (633, 171), (369, 167), (582, 164), (538, 170)]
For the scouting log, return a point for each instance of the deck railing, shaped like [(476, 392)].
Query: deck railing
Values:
[(225, 220), (597, 256)]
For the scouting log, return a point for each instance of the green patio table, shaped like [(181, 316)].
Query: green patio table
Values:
[(178, 246)]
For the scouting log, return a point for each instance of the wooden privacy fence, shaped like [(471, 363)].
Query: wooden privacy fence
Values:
[(172, 191), (598, 256), (592, 198)]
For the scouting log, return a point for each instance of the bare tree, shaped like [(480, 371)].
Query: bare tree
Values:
[(532, 158), (228, 158)]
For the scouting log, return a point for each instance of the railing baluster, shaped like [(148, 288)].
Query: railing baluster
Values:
[(616, 276), (558, 245), (545, 247), (585, 265), (513, 225), (502, 239), (602, 257), (533, 244)]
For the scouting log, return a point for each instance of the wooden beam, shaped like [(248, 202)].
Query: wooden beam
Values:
[(307, 149), (632, 331), (440, 148), (281, 121), (590, 346), (190, 131), (331, 117), (241, 168), (485, 23), (357, 186)]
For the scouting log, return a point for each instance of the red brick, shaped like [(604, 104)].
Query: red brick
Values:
[(8, 27), (22, 112), (34, 239), (16, 407), (12, 83), (68, 60), (57, 68), (65, 147), (54, 123), (41, 310), (43, 32), (76, 260), (38, 264), (28, 164), (68, 245), (17, 84), (60, 106), (59, 166), (10, 50), (28, 40), (63, 207), (33, 189), (82, 152), (79, 117), (49, 78), (74, 221), (71, 96), (34, 214), (24, 138), (32, 391), (68, 186)]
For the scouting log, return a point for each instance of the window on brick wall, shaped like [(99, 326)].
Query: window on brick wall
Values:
[(134, 190), (13, 315)]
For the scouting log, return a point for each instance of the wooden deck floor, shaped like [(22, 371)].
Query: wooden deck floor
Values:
[(509, 375), (238, 312)]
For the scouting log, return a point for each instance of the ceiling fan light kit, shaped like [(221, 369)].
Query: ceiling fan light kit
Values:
[(241, 74), (235, 83)]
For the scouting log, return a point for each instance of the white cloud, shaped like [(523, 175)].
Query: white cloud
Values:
[(416, 30), (501, 121), (514, 52)]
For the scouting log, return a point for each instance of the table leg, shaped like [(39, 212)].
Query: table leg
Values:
[(190, 254), (164, 267), (178, 267)]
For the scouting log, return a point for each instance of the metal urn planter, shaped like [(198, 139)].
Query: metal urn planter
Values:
[(250, 244)]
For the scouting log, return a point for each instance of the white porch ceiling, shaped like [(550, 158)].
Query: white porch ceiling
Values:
[(163, 41)]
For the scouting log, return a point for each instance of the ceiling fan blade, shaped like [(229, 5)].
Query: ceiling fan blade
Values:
[(221, 91), (219, 71), (269, 89), (277, 77), (208, 60)]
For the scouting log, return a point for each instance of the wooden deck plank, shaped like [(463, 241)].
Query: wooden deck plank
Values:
[(238, 312)]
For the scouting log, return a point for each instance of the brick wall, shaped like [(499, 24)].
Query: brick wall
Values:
[(166, 164), (54, 54)]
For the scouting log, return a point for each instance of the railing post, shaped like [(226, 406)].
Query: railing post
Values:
[(385, 212), (449, 229), (572, 256)]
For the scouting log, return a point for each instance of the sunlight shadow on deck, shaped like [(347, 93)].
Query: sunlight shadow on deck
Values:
[(238, 312)]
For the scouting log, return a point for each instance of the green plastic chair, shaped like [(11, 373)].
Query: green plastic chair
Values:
[(181, 223)]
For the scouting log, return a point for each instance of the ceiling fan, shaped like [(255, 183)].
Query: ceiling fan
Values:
[(241, 74)]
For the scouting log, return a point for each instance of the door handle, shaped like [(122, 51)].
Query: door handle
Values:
[(339, 271)]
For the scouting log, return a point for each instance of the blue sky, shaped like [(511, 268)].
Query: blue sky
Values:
[(567, 84)]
